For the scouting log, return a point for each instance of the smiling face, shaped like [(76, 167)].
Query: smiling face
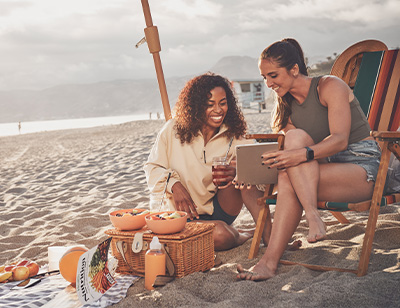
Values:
[(217, 107), (277, 78)]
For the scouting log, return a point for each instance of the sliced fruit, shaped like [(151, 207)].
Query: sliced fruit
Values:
[(20, 273), (23, 263), (8, 268), (33, 268), (4, 276)]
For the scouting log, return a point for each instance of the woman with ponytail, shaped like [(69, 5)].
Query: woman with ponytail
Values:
[(328, 153)]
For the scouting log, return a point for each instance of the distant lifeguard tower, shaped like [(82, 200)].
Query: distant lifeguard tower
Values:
[(252, 94)]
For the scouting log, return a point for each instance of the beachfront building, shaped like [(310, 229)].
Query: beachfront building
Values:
[(252, 94)]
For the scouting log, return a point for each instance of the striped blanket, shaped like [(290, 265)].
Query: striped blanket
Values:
[(54, 291)]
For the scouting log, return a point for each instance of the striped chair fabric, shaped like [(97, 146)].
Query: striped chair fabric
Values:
[(378, 90)]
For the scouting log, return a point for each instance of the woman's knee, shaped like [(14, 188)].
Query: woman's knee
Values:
[(229, 197), (297, 138), (284, 183), (250, 194), (222, 236)]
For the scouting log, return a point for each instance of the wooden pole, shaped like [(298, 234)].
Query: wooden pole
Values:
[(153, 41)]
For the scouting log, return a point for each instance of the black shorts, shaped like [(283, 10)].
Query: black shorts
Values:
[(218, 214)]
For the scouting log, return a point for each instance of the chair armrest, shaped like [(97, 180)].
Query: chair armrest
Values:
[(265, 137), (392, 140), (386, 135)]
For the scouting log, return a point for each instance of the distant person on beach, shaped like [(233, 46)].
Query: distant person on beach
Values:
[(328, 153), (206, 118), (19, 127)]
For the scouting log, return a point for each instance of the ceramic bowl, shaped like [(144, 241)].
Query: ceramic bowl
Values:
[(166, 226), (126, 221)]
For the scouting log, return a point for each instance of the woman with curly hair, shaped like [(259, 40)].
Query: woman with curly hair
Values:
[(207, 119)]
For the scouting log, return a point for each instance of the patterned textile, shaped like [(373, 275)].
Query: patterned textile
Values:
[(366, 79), (46, 292), (383, 115)]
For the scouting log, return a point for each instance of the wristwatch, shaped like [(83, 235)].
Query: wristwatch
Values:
[(309, 154)]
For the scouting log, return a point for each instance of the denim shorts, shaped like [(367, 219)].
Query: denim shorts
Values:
[(218, 214), (365, 153)]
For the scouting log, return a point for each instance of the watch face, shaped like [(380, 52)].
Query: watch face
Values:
[(310, 154)]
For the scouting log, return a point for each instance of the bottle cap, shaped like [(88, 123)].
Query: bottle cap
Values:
[(155, 244)]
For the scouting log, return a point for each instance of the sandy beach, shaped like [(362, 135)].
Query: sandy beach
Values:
[(57, 188)]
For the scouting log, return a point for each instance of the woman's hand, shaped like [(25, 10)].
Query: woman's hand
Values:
[(224, 175), (183, 201), (240, 185), (284, 159)]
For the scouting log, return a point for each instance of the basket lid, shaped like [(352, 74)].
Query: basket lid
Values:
[(191, 229)]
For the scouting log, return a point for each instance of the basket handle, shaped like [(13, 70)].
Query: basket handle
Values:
[(122, 248), (168, 261)]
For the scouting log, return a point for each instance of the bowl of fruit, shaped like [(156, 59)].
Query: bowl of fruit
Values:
[(130, 219), (167, 222)]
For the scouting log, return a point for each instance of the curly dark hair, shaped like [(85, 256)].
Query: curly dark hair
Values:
[(191, 107)]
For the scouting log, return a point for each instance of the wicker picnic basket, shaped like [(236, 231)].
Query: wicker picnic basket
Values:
[(191, 250)]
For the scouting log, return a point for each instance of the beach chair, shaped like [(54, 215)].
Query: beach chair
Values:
[(373, 72)]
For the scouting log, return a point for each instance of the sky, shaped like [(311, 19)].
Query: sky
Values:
[(44, 43)]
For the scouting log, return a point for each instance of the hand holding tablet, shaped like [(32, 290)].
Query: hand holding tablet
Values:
[(249, 169)]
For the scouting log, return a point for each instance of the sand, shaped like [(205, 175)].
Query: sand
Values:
[(57, 188)]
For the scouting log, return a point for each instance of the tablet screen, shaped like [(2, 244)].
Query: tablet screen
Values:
[(248, 165)]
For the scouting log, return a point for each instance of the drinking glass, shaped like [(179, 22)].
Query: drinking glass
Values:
[(217, 162)]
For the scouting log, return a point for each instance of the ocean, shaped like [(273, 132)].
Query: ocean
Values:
[(10, 129)]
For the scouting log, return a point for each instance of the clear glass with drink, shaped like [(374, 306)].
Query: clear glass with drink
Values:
[(217, 162)]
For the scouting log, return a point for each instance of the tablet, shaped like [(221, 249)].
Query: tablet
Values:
[(248, 164)]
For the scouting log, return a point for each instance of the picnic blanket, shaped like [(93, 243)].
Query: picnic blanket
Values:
[(55, 291)]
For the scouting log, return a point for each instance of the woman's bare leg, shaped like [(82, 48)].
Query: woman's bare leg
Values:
[(287, 216), (313, 181), (250, 197), (338, 182), (226, 236), (230, 200), (305, 181)]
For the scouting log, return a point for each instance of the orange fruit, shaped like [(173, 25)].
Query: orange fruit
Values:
[(69, 263)]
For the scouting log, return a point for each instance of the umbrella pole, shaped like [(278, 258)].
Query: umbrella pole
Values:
[(153, 41)]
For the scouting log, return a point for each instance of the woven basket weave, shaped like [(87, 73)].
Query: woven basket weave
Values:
[(191, 250)]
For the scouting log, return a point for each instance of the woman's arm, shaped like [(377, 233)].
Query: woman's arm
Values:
[(157, 166), (336, 96), (183, 201), (157, 169)]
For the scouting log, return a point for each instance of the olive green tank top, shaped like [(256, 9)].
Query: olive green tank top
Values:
[(312, 117)]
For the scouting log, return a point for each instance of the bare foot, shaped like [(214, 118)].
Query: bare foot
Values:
[(294, 246), (251, 230), (255, 273), (317, 229), (244, 235)]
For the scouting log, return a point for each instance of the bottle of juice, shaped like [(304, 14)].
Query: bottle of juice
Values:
[(154, 263)]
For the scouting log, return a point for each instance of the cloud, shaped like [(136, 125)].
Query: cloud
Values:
[(189, 9), (47, 42), (378, 13), (7, 7)]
